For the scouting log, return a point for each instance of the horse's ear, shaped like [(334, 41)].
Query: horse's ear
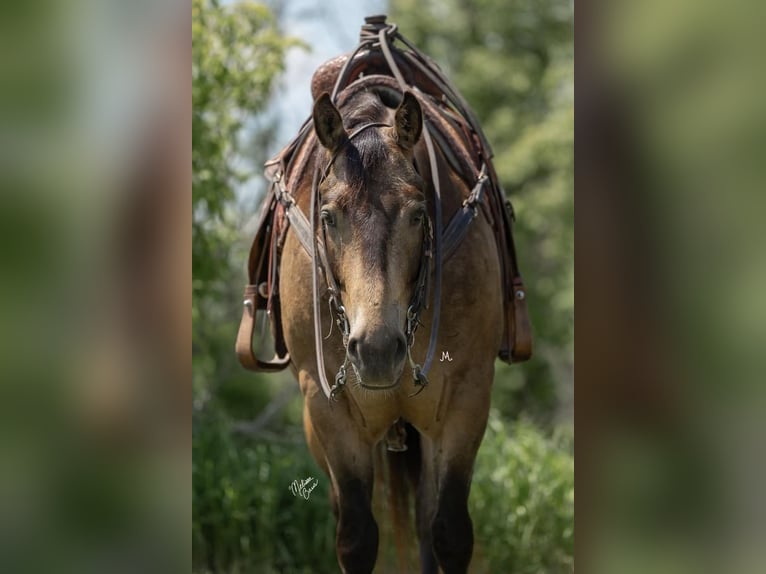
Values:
[(328, 123), (409, 121)]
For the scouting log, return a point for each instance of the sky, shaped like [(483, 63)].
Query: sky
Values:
[(330, 28)]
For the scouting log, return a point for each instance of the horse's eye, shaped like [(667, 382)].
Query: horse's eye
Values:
[(417, 217), (327, 217)]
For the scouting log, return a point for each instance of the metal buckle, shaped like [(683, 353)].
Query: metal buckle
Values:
[(340, 382), (419, 379)]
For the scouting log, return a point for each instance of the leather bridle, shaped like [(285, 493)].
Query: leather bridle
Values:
[(316, 247)]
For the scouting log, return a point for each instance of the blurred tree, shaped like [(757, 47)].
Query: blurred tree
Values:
[(513, 62), (238, 52)]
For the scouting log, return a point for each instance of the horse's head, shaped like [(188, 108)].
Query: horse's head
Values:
[(373, 215)]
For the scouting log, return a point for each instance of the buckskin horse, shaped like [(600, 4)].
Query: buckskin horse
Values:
[(385, 220)]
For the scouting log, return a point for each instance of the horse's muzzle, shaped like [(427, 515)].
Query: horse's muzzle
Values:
[(378, 357)]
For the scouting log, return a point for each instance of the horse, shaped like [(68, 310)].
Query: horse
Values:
[(379, 233), (373, 206)]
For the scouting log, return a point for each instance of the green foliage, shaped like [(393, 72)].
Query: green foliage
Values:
[(522, 500), (237, 52), (513, 62), (245, 519)]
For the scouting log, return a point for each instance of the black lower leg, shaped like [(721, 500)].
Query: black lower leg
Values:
[(357, 532), (452, 528), (423, 516)]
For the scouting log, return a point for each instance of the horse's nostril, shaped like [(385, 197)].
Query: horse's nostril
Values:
[(378, 355), (401, 348), (353, 348)]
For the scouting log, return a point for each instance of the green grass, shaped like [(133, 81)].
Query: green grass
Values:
[(522, 500), (245, 519)]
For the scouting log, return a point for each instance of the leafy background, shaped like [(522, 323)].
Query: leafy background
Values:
[(513, 61)]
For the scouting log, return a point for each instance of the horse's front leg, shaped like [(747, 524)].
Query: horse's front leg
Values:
[(356, 540), (348, 457), (452, 529), (454, 455), (426, 508)]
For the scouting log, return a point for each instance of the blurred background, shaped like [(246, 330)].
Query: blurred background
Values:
[(95, 266), (671, 277), (513, 62)]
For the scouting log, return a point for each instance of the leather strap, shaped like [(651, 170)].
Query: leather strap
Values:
[(318, 337), (522, 335), (300, 225), (458, 225), (437, 251), (244, 345)]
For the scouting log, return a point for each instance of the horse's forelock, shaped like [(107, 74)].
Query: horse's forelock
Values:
[(363, 159), (366, 157)]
